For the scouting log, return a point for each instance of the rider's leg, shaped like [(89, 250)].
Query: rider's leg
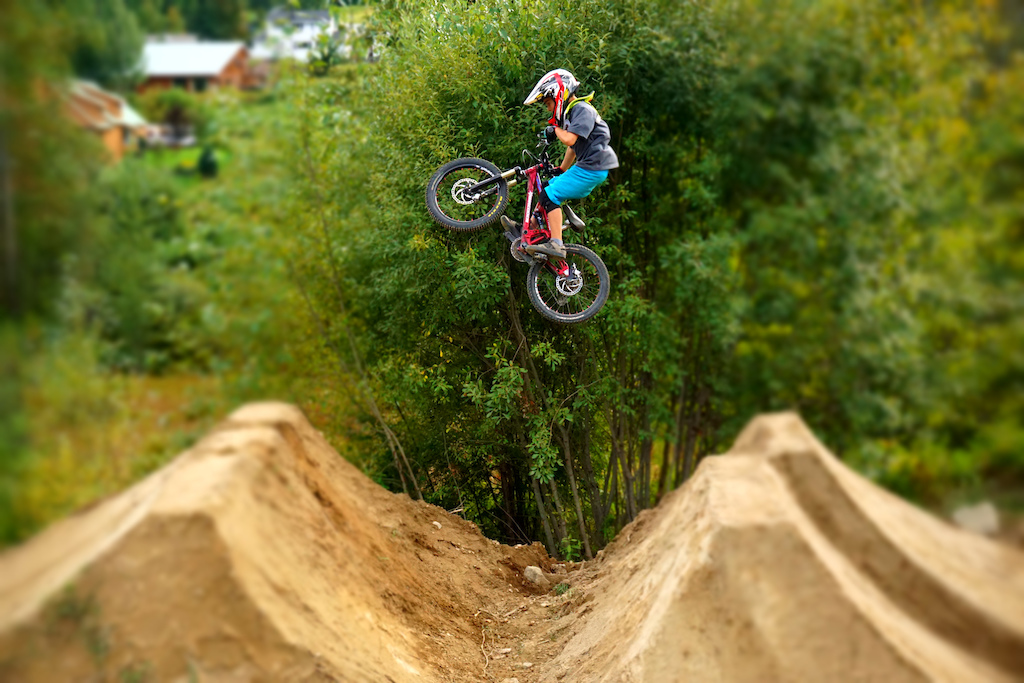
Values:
[(554, 246), (575, 183), (555, 223)]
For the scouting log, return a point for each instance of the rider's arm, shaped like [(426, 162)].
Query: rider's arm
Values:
[(568, 159), (567, 138)]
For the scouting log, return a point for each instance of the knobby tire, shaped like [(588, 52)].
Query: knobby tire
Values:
[(540, 285), (447, 211)]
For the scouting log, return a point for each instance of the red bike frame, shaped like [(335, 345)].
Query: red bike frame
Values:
[(542, 232)]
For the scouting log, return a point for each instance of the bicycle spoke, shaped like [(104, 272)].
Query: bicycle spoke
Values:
[(579, 296)]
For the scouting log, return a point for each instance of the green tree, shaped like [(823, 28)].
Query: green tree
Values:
[(46, 165), (218, 19), (103, 39), (773, 235), (150, 15), (183, 111)]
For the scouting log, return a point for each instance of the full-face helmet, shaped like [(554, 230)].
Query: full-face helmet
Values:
[(558, 85)]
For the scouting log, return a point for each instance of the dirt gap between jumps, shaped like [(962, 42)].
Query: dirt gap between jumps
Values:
[(261, 555)]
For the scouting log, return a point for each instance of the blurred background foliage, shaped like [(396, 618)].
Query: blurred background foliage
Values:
[(819, 208)]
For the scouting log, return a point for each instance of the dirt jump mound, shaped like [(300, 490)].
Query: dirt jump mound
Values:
[(261, 555), (776, 562)]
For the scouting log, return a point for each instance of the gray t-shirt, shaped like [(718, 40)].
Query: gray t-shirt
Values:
[(593, 146)]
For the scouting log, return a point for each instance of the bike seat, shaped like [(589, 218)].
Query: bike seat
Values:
[(574, 220)]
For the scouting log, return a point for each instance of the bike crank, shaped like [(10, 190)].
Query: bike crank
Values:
[(516, 249)]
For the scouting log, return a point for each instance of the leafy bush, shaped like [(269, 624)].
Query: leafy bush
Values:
[(208, 166), (102, 38), (183, 111), (134, 284), (324, 54), (782, 234)]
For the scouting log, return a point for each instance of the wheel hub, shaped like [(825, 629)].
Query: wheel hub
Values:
[(459, 191), (571, 283)]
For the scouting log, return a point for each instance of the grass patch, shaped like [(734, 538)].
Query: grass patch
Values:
[(94, 433), (82, 614)]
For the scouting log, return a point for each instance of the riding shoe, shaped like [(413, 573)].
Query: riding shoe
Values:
[(551, 248), (507, 223)]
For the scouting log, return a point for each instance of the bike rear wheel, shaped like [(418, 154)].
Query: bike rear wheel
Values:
[(450, 203), (573, 295)]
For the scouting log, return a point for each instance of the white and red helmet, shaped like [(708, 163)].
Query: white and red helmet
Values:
[(558, 85)]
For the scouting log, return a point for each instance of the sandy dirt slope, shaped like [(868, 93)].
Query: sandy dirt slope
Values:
[(261, 555), (258, 555), (776, 562)]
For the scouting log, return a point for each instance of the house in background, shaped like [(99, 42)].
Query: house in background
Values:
[(106, 115), (193, 65), (292, 33)]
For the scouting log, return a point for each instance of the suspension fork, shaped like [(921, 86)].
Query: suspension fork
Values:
[(484, 184)]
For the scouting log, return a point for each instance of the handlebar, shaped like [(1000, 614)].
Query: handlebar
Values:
[(546, 167)]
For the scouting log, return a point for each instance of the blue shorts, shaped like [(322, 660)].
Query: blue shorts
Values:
[(576, 183)]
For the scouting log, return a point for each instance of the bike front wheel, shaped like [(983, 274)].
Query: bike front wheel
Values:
[(452, 202), (571, 291)]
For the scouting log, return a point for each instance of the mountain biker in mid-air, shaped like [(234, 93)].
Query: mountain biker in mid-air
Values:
[(575, 123)]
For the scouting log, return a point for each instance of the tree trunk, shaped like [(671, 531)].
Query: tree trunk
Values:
[(597, 508), (626, 465), (646, 446), (552, 549), (700, 417), (398, 468), (666, 461), (363, 383), (684, 385), (581, 521), (556, 501), (511, 504), (694, 422)]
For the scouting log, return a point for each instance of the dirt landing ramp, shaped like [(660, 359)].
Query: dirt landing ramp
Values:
[(261, 556), (776, 562), (258, 555)]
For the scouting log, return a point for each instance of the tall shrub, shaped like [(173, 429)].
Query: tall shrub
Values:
[(767, 235)]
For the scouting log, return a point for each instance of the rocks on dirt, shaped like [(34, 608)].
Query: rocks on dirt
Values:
[(437, 525), (535, 575)]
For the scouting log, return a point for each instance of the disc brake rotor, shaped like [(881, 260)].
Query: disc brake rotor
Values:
[(571, 283), (459, 191)]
